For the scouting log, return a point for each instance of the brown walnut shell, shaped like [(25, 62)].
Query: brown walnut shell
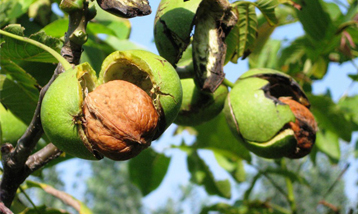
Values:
[(120, 120), (305, 127)]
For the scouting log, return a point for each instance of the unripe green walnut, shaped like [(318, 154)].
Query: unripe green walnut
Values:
[(198, 106), (270, 112), (213, 20), (172, 27), (136, 97)]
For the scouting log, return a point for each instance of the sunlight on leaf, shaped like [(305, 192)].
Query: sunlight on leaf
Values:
[(267, 7), (241, 38), (64, 197), (17, 98), (201, 175), (217, 136), (18, 50), (148, 169)]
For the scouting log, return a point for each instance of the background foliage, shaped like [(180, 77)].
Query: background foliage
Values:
[(223, 176)]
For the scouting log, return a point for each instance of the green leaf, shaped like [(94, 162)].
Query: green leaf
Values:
[(354, 77), (293, 55), (319, 67), (331, 117), (265, 53), (334, 124), (43, 210), (328, 143), (42, 72), (98, 28), (57, 28), (315, 20), (232, 42), (221, 208), (93, 56), (17, 99), (147, 170), (64, 197), (201, 175), (356, 149), (294, 177), (234, 167), (17, 205), (241, 38), (121, 27), (122, 44), (349, 106), (20, 76), (267, 57), (267, 7), (217, 136), (12, 9), (17, 50)]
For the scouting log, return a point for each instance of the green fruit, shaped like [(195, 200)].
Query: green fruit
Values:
[(257, 111), (172, 27), (197, 106), (145, 76)]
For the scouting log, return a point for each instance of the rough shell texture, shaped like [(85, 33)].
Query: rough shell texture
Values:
[(159, 79), (198, 106), (305, 127), (120, 119)]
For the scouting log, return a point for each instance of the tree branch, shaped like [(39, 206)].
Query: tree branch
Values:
[(17, 162), (42, 157)]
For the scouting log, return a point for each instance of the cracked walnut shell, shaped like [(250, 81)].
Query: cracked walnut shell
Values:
[(120, 119)]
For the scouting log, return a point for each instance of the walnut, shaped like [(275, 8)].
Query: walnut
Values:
[(120, 119), (305, 127)]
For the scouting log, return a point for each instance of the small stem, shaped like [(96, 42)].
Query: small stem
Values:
[(186, 72), (290, 192), (278, 187), (42, 157), (227, 83), (29, 199), (279, 208), (58, 56), (350, 86), (344, 170)]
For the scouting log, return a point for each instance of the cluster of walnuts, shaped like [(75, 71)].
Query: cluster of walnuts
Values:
[(138, 94)]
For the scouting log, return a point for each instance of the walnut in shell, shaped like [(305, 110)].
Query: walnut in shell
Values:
[(120, 119)]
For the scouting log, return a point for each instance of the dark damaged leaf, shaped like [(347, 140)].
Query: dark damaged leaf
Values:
[(126, 8), (214, 20)]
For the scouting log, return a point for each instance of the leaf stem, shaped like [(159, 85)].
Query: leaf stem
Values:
[(29, 199), (227, 83), (350, 86), (58, 56), (290, 192)]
